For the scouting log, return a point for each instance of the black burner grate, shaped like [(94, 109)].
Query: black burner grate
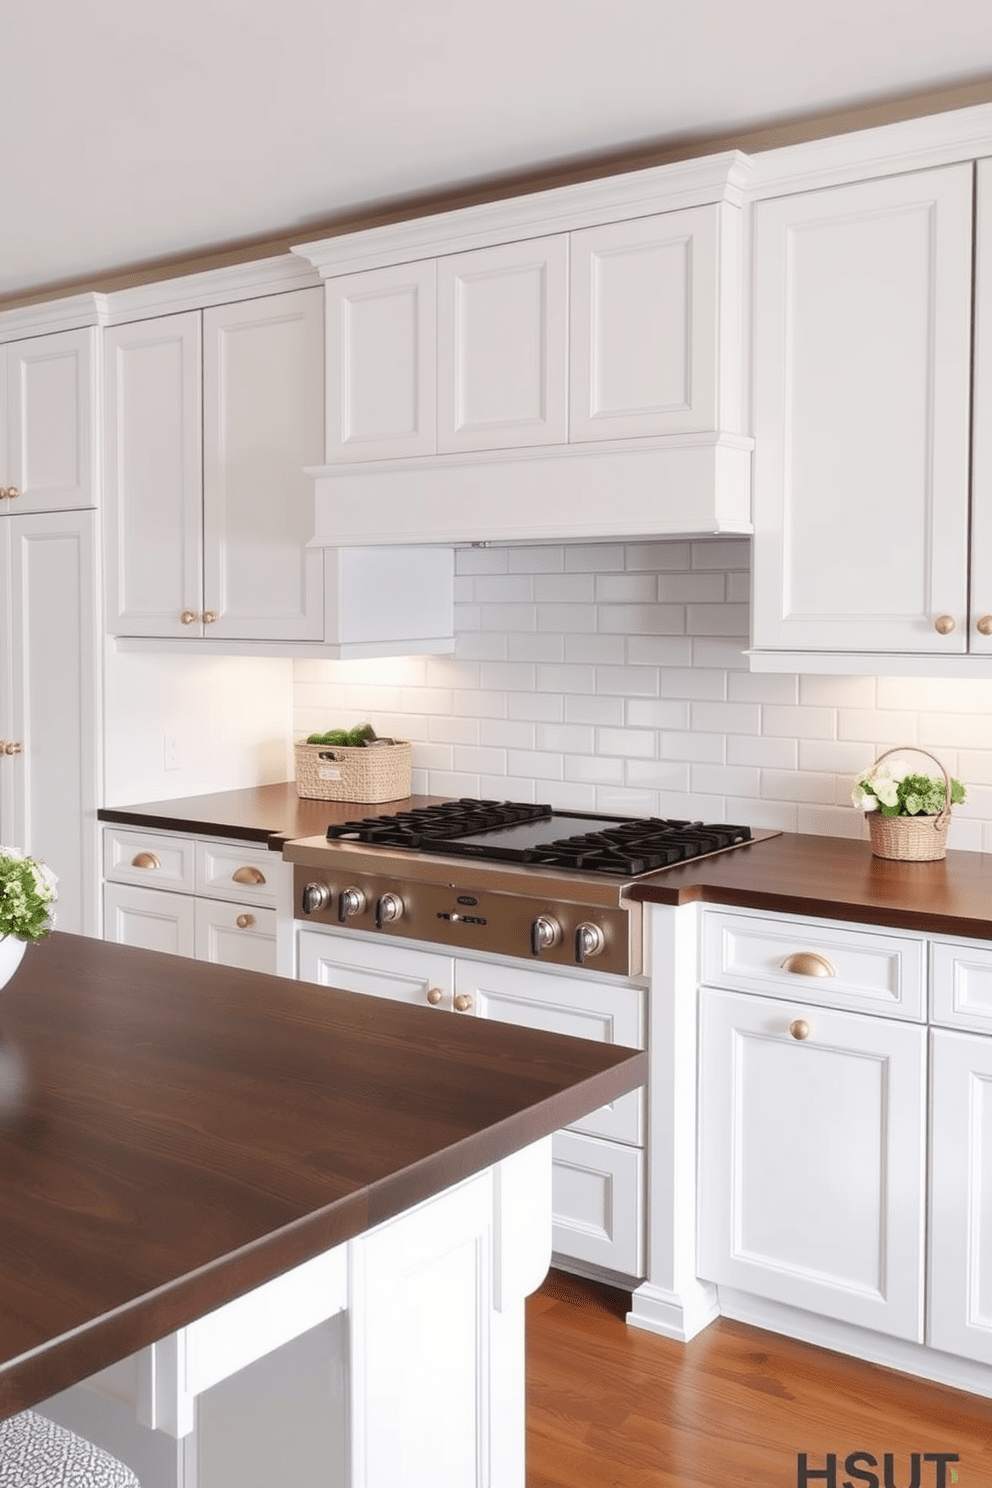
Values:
[(620, 848)]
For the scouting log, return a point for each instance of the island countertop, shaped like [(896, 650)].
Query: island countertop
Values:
[(175, 1133)]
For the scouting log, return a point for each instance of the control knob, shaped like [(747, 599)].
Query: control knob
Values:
[(589, 941), (315, 896), (350, 902), (544, 932), (388, 909)]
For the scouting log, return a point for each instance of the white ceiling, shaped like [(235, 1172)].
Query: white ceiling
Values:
[(132, 131)]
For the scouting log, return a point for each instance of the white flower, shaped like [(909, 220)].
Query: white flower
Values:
[(896, 769), (863, 799), (887, 792)]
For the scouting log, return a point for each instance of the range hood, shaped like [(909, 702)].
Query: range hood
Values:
[(681, 486)]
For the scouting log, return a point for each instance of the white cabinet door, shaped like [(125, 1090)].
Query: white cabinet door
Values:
[(502, 337), (381, 363), (154, 521), (645, 305), (241, 935), (49, 704), (152, 919), (980, 641), (812, 1158), (51, 445), (382, 970), (960, 1281), (862, 357), (263, 364), (598, 1203)]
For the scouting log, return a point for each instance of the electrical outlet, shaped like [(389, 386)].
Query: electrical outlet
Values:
[(170, 751)]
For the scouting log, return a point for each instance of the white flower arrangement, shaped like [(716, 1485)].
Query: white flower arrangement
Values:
[(27, 894), (893, 788)]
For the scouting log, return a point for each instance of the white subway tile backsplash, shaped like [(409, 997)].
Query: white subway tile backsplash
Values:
[(612, 677)]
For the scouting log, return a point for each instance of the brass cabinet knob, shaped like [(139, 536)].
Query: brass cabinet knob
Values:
[(434, 996), (13, 746), (462, 1002), (11, 492), (248, 875), (188, 616), (984, 626), (799, 1029), (808, 963), (244, 921), (145, 860), (208, 617), (944, 624)]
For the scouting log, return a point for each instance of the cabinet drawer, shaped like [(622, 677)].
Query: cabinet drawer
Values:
[(598, 1202), (817, 961), (241, 935), (153, 919), (149, 859), (243, 874), (961, 973)]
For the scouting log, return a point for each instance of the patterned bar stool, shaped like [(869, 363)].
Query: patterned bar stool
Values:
[(35, 1453)]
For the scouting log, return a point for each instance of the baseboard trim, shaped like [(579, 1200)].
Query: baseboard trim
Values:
[(679, 1315)]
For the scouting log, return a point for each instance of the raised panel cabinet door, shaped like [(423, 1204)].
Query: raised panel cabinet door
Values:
[(51, 411), (980, 634), (241, 935), (862, 371), (382, 970), (54, 714), (7, 834), (646, 301), (263, 396), (151, 919), (153, 477), (812, 1159), (960, 1283), (502, 329), (381, 363)]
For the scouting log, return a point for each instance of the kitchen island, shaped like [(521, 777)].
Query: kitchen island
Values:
[(199, 1164)]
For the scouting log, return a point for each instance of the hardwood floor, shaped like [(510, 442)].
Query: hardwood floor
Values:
[(610, 1406)]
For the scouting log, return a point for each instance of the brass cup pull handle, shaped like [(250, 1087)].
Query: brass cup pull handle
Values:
[(13, 746), (799, 1029), (984, 625), (248, 875), (145, 860), (434, 996), (808, 963), (209, 617), (188, 616), (944, 624), (462, 1002), (245, 921)]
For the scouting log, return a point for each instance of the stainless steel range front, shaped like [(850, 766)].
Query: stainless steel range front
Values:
[(501, 877)]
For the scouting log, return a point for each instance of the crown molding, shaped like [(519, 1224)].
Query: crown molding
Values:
[(886, 149), (51, 316), (246, 281), (662, 188)]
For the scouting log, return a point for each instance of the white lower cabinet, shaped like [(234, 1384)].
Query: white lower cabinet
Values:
[(208, 899), (960, 1278), (812, 1159), (598, 1164)]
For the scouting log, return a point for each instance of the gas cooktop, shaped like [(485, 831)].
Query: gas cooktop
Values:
[(521, 832)]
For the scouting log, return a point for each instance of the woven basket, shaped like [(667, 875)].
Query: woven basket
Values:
[(911, 839), (331, 772)]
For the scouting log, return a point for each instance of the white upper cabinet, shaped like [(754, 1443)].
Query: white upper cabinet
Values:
[(502, 324), (153, 482), (558, 367), (48, 445), (381, 363), (980, 629), (211, 417), (862, 381), (263, 366), (647, 344)]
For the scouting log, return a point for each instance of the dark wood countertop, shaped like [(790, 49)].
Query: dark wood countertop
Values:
[(269, 814), (837, 877), (173, 1134)]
